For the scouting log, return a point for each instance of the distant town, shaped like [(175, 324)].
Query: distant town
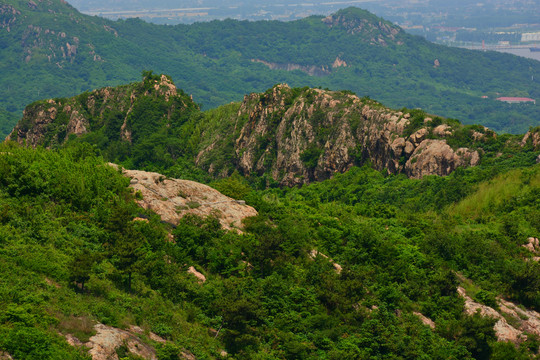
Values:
[(498, 25)]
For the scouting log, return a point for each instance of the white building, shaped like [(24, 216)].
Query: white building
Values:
[(530, 37)]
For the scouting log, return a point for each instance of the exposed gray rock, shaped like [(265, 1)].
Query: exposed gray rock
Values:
[(523, 320), (425, 320)]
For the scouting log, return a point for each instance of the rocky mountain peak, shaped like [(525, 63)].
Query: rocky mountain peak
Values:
[(293, 135), (364, 24), (116, 109), (303, 135)]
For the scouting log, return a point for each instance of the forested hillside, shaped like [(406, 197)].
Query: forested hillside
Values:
[(51, 50), (364, 265)]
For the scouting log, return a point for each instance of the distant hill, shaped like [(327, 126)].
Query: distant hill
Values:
[(51, 50)]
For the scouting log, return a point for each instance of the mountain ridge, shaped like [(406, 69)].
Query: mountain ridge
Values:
[(213, 61), (293, 136)]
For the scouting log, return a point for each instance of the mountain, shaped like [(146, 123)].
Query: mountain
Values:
[(292, 136), (51, 50), (301, 135)]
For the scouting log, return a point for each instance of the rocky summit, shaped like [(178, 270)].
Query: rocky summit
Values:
[(53, 121), (293, 135), (303, 135)]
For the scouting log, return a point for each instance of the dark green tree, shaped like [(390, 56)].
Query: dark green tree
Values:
[(81, 266), (127, 253)]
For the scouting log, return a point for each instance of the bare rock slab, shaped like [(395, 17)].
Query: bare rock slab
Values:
[(172, 199)]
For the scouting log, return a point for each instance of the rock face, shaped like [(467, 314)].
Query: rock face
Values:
[(107, 342), (173, 198), (295, 136), (312, 70), (425, 320), (523, 321), (437, 157), (302, 135)]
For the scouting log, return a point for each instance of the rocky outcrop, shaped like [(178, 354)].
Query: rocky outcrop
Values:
[(8, 16), (314, 253), (172, 199), (312, 70), (533, 245), (512, 323), (201, 279), (107, 340), (302, 135), (339, 63), (53, 121), (425, 320), (5, 356), (437, 157), (296, 136), (532, 137), (442, 130)]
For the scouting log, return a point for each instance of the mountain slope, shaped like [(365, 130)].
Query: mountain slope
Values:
[(220, 61), (300, 135), (292, 135), (362, 265)]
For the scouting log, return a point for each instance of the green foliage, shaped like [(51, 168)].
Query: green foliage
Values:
[(334, 269), (234, 186), (310, 157), (81, 266), (213, 61), (70, 223)]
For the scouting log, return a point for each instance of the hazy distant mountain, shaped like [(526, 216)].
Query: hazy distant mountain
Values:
[(50, 50)]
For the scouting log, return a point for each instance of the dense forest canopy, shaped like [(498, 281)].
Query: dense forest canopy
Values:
[(403, 246), (366, 264)]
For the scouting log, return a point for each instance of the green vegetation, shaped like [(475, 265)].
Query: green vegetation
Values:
[(72, 256), (331, 270), (7, 121), (213, 61), (145, 126)]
